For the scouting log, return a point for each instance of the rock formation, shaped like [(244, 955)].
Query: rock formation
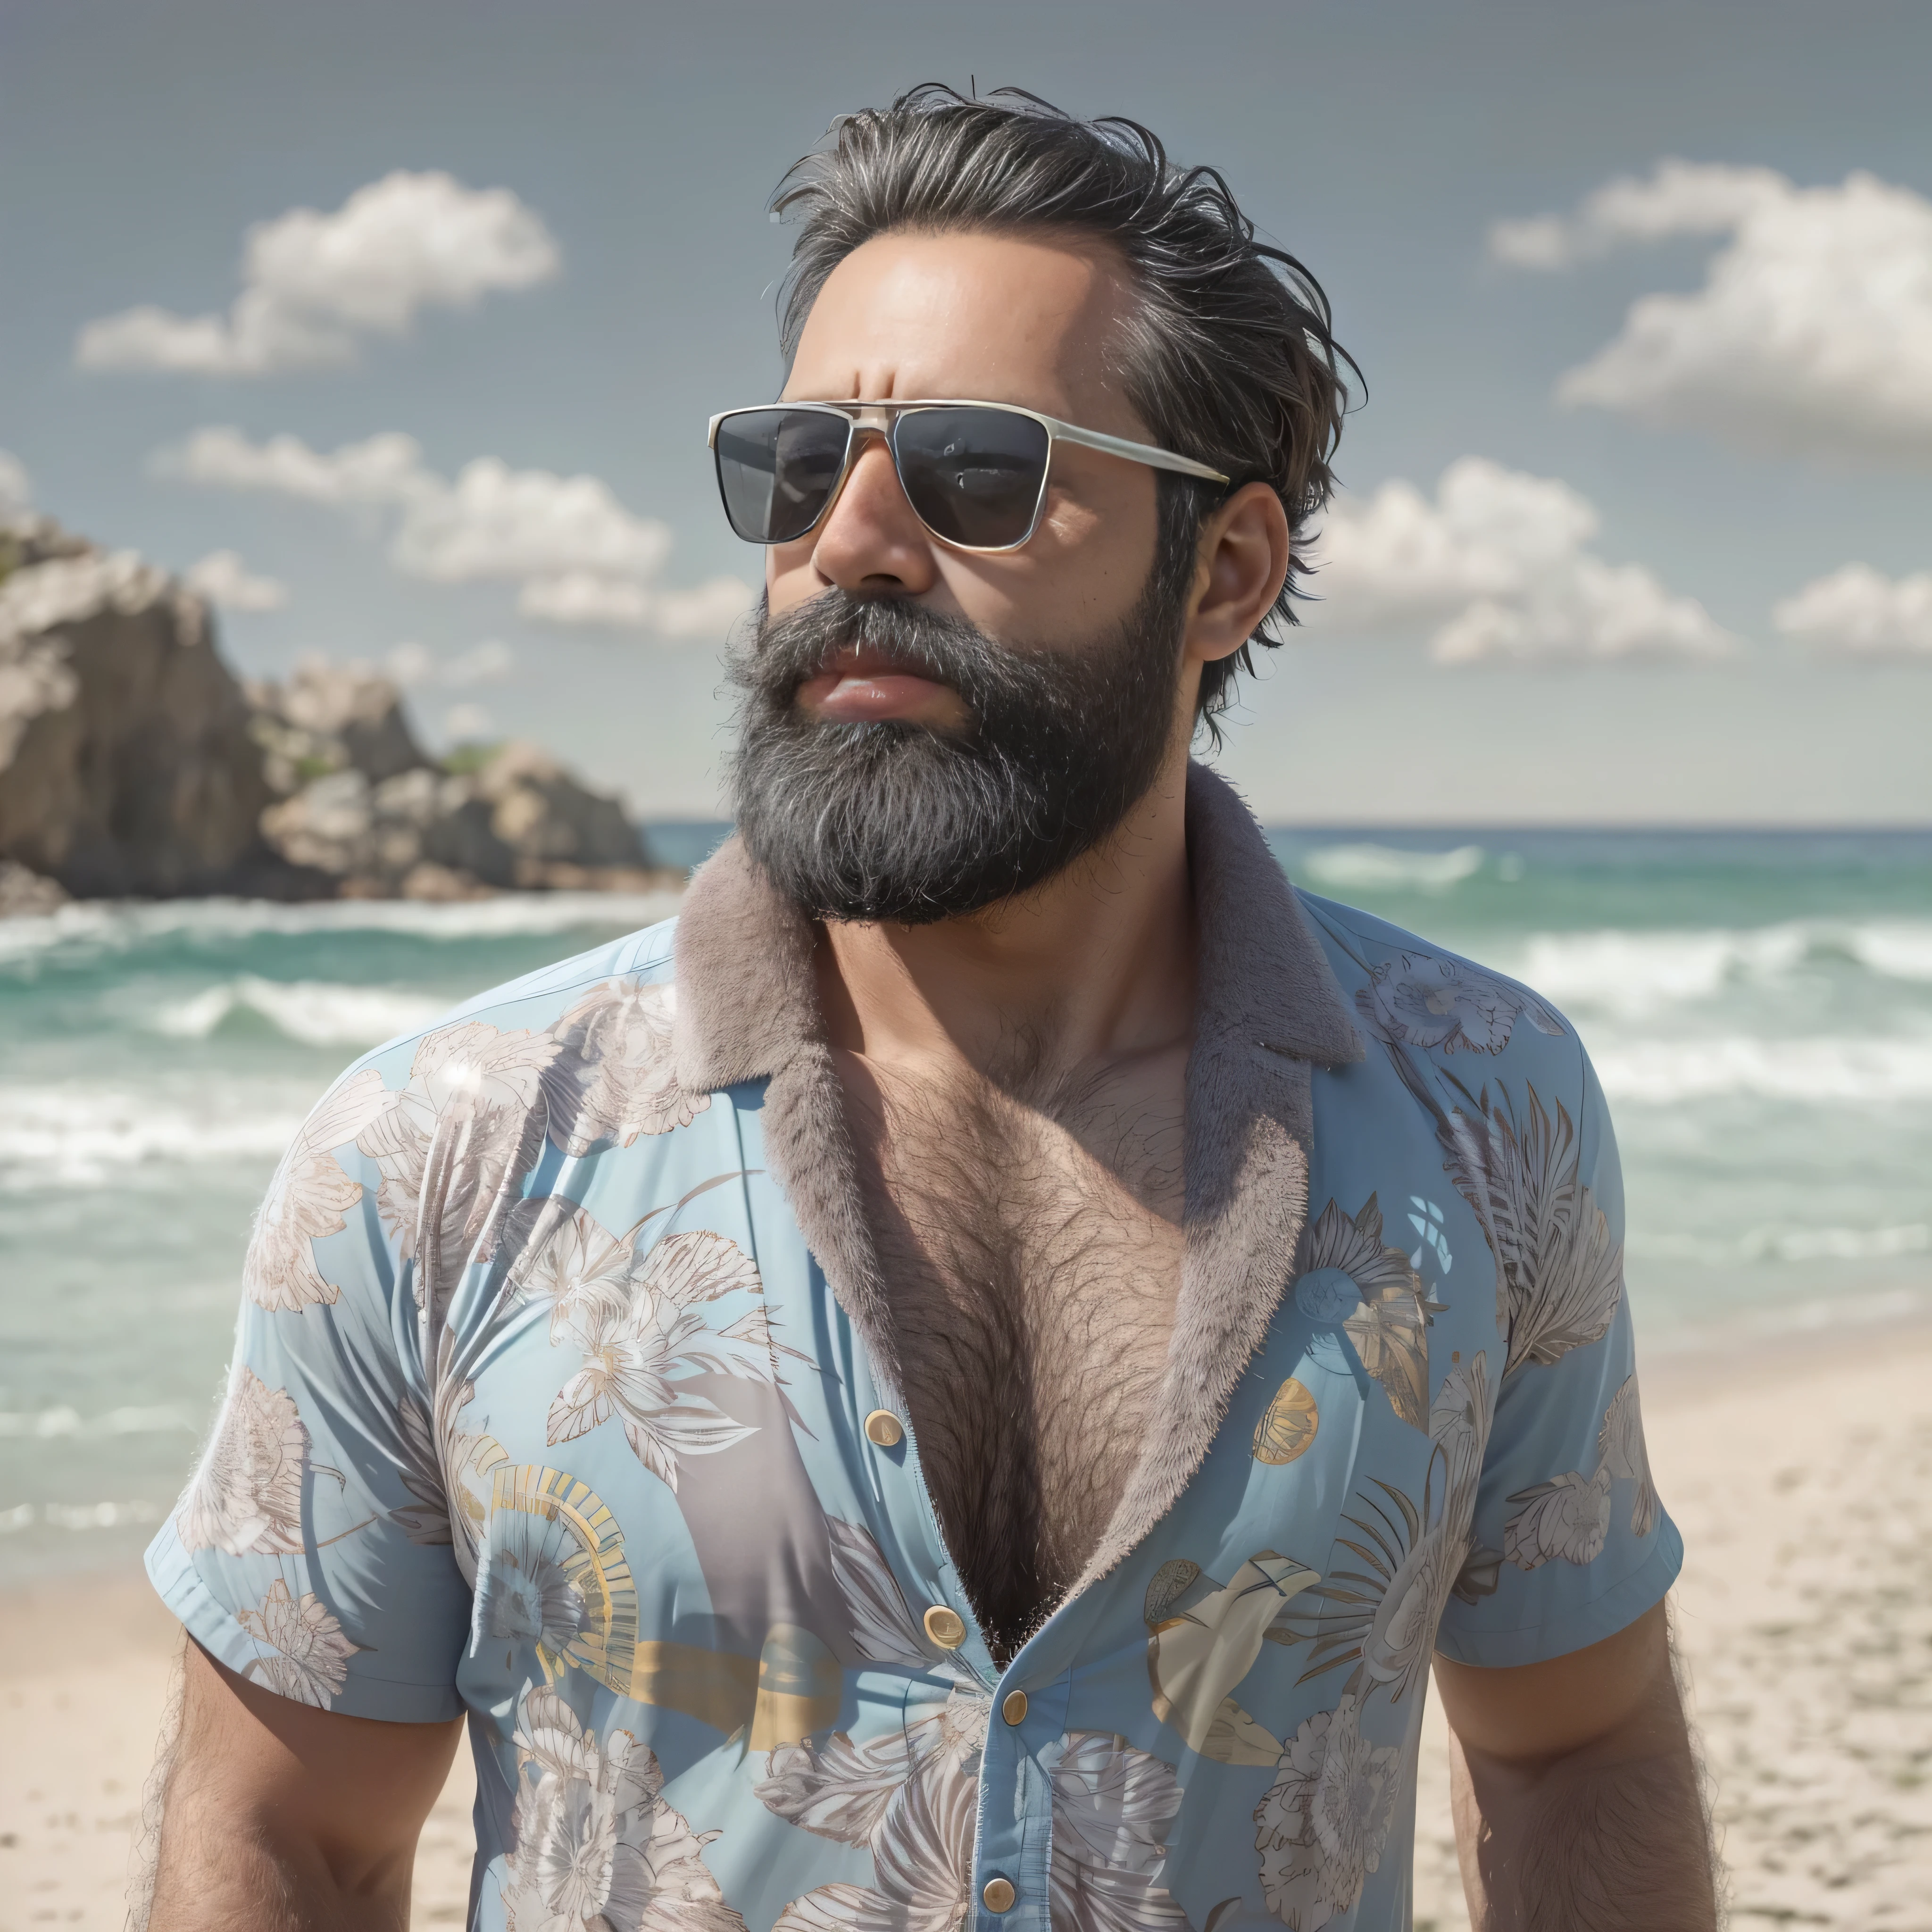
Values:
[(132, 762), (126, 763)]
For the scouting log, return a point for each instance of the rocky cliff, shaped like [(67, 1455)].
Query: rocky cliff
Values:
[(132, 761)]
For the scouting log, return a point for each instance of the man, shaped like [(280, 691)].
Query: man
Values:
[(969, 1377)]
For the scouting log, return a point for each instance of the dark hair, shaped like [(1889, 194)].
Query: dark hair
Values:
[(1232, 359)]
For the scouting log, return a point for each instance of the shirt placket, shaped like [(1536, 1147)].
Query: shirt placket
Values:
[(1012, 1848)]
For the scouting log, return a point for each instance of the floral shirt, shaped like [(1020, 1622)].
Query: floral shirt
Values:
[(564, 1396)]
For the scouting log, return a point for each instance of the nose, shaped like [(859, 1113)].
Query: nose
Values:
[(870, 542)]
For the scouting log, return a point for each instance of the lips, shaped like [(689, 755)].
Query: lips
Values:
[(858, 682)]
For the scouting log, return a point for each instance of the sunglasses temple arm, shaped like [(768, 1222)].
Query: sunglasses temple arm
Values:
[(1135, 452)]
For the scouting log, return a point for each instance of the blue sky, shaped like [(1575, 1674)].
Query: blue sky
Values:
[(1485, 653)]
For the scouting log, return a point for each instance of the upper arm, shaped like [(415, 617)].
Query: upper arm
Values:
[(1532, 1714), (1570, 1543), (356, 1789), (312, 1553)]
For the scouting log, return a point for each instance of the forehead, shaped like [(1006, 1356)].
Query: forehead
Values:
[(1000, 318)]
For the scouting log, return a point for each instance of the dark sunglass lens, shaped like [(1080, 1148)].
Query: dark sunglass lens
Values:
[(776, 468), (973, 476)]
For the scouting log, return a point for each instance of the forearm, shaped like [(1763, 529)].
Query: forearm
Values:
[(1612, 1838)]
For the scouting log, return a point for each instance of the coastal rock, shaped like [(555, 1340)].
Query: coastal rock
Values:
[(126, 764), (133, 762), (363, 805), (23, 894)]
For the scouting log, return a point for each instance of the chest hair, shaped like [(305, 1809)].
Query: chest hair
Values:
[(1031, 1249)]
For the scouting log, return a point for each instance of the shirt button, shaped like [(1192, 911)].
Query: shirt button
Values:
[(884, 1428), (999, 1894), (947, 1629), (1013, 1707)]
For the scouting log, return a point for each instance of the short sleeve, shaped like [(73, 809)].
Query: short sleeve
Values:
[(311, 1550), (1571, 1543)]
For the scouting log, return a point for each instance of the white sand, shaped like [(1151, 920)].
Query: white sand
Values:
[(1802, 1481)]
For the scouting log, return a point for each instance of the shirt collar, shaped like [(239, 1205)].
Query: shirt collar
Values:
[(1267, 1011)]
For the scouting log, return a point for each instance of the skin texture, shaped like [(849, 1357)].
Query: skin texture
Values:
[(1014, 1081), (1578, 1797), (277, 1816)]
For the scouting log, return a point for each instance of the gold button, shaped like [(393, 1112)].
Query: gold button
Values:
[(1013, 1707), (885, 1429), (947, 1629), (999, 1894)]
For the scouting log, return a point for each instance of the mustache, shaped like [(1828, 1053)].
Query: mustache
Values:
[(784, 651)]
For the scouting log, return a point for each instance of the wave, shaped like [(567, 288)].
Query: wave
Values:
[(78, 1136), (1634, 973), (120, 926), (315, 1011), (1786, 1244), (46, 1424), (1824, 1069), (78, 1516), (1366, 868)]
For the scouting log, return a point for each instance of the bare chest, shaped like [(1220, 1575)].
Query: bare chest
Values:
[(1032, 1262)]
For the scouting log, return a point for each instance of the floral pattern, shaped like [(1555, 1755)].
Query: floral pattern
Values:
[(1323, 1823), (1385, 1614), (612, 1077), (308, 1658), (597, 1848), (246, 1496), (1346, 1274), (637, 1321), (452, 1148), (513, 1323), (309, 1199), (1559, 1276), (1569, 1515), (1430, 1001)]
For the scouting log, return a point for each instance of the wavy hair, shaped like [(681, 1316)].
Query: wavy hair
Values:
[(1230, 357)]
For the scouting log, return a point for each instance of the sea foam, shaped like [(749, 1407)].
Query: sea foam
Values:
[(316, 1013)]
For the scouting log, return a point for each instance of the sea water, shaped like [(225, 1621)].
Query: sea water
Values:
[(1758, 1005)]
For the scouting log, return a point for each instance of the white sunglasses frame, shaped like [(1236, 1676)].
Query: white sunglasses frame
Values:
[(856, 413)]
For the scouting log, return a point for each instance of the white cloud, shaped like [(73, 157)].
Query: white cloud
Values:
[(1857, 612), (468, 721), (501, 522), (385, 470), (708, 609), (580, 555), (1812, 330), (1680, 198), (1497, 565), (224, 579), (16, 488), (414, 665), (314, 285)]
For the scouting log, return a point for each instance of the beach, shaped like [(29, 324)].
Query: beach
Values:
[(1800, 1473)]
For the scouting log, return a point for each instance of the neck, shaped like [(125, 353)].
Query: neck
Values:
[(1096, 964)]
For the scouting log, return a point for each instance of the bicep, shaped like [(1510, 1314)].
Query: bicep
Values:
[(353, 1792), (1534, 1713)]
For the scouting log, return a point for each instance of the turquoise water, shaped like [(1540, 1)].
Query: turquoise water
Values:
[(1759, 1007)]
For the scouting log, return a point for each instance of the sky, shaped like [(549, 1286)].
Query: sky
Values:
[(395, 328)]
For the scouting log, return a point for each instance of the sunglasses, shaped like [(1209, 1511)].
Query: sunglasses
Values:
[(975, 473)]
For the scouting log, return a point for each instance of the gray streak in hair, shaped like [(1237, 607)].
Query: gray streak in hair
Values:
[(1232, 359)]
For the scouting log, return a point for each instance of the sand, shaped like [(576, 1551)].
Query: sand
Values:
[(1801, 1478)]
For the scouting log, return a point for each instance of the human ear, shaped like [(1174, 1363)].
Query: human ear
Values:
[(1242, 562)]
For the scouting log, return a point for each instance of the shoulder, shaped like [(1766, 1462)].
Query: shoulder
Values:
[(1419, 998), (543, 1000)]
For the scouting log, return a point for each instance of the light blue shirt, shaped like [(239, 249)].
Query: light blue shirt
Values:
[(564, 1396)]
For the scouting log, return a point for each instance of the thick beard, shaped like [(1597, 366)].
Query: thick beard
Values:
[(893, 821)]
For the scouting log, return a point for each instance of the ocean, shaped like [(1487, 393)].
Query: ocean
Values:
[(1759, 1006)]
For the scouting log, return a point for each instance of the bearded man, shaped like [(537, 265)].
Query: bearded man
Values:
[(971, 1374)]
